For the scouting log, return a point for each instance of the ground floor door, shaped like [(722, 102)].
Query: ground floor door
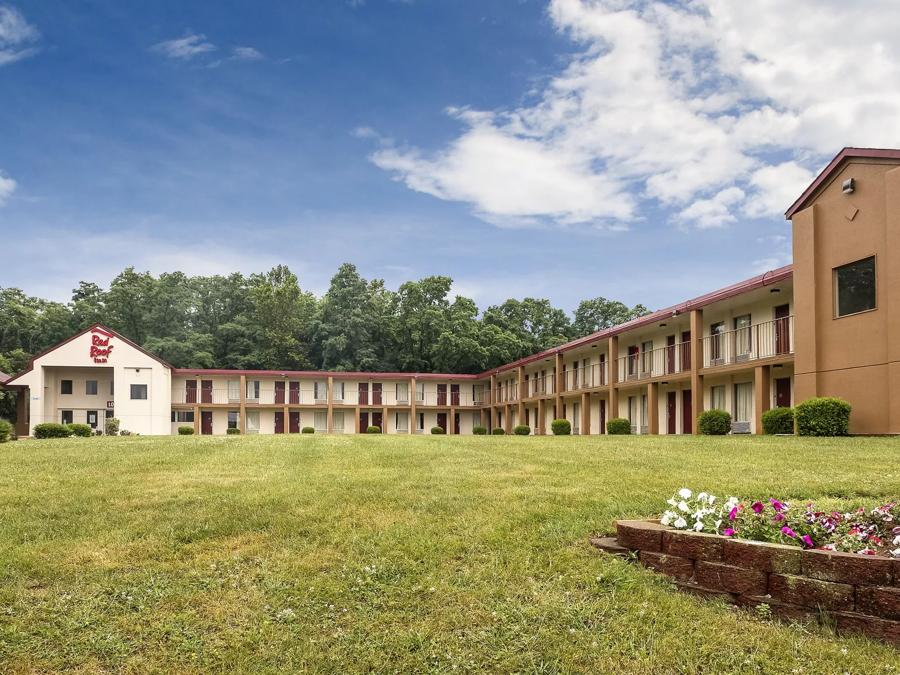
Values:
[(378, 420), (671, 411), (687, 413), (279, 422), (602, 416), (294, 424), (363, 421), (92, 418), (456, 423), (783, 392), (442, 418), (206, 422)]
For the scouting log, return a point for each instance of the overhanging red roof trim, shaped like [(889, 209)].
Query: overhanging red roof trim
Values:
[(338, 375), (4, 378), (844, 155)]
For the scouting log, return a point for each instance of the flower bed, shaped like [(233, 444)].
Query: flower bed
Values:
[(801, 564)]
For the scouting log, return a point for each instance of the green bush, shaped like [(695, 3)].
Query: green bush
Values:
[(824, 416), (522, 430), (618, 426), (51, 430), (437, 431), (498, 432), (112, 426), (308, 430), (561, 427), (6, 431), (714, 423), (479, 431), (233, 431), (373, 429), (185, 431), (81, 430), (778, 421)]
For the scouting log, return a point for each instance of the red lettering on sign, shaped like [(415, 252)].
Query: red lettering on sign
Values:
[(100, 347)]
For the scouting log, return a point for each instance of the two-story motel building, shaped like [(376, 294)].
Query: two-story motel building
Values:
[(827, 325)]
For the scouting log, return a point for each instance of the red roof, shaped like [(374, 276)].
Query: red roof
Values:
[(4, 378), (833, 166), (340, 375)]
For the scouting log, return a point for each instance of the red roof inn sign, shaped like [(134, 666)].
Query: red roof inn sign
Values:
[(100, 347)]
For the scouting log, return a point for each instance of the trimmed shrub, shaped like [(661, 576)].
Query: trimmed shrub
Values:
[(51, 430), (373, 429), (6, 431), (80, 430), (437, 431), (618, 426), (308, 430), (778, 421), (498, 432), (233, 431), (522, 430), (185, 431), (824, 416), (479, 431), (714, 423), (112, 426), (561, 427)]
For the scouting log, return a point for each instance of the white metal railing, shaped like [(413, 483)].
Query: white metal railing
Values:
[(541, 385), (758, 341), (585, 377), (506, 392), (642, 365)]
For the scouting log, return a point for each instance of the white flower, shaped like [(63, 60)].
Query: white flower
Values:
[(681, 523), (897, 540), (671, 502), (896, 553), (684, 493), (711, 499), (683, 507), (718, 523), (702, 496), (667, 518), (731, 502), (698, 526)]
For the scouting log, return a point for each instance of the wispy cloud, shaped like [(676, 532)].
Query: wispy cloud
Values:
[(184, 48), (17, 36), (246, 54), (7, 187), (697, 106)]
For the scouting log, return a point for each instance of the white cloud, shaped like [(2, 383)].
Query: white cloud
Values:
[(17, 36), (246, 54), (7, 187), (184, 48), (670, 103)]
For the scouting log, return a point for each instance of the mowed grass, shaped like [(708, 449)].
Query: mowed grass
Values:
[(391, 553)]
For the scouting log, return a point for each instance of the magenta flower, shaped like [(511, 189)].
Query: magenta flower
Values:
[(728, 532), (807, 540), (777, 505), (778, 517), (733, 514), (788, 531), (757, 507)]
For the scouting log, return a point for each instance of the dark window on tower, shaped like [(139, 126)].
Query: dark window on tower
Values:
[(65, 386), (854, 287)]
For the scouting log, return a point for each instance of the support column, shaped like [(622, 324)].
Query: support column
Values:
[(198, 395), (330, 414), (243, 405), (23, 399), (485, 414), (613, 359), (412, 405), (542, 417), (653, 407), (586, 414), (450, 417), (507, 418), (762, 395), (521, 394), (384, 420), (696, 366)]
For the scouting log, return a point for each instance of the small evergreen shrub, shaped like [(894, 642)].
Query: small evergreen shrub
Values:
[(437, 431), (6, 431), (714, 423), (522, 430), (618, 426), (80, 430), (479, 431), (185, 431), (778, 421), (51, 430), (373, 429), (561, 427), (112, 426), (824, 416), (308, 430), (498, 432), (233, 432)]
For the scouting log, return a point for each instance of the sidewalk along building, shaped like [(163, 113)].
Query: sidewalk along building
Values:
[(827, 325)]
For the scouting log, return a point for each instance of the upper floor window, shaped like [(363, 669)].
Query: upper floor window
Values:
[(854, 287), (65, 386), (139, 392), (90, 387)]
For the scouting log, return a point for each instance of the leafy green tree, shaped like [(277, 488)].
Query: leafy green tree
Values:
[(597, 314), (535, 322), (282, 314), (129, 304)]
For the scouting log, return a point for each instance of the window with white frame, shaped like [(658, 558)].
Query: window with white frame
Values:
[(252, 421), (476, 420), (743, 401), (320, 390), (253, 390), (338, 418), (401, 390), (234, 390), (233, 419), (647, 356), (66, 416), (401, 422), (717, 397), (645, 417), (338, 389), (139, 392), (321, 421), (184, 416), (420, 392)]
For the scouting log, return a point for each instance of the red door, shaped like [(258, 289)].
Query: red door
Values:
[(454, 394), (670, 354), (442, 418), (602, 416), (364, 393), (295, 393), (603, 372), (206, 391), (206, 422), (456, 423), (782, 329), (279, 393), (279, 422), (378, 421), (376, 395), (294, 422), (687, 414), (442, 399), (686, 350), (363, 422), (671, 411), (783, 392), (190, 391)]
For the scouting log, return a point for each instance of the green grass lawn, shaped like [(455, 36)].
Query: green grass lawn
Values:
[(391, 553)]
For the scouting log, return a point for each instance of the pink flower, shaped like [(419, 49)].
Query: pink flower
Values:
[(807, 540), (728, 532), (777, 505), (788, 531), (778, 517), (733, 514), (757, 507)]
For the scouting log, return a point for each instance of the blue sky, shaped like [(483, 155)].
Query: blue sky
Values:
[(562, 149)]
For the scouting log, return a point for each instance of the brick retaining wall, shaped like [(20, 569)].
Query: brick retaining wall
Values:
[(858, 593)]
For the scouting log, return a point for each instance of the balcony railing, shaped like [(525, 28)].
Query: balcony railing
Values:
[(595, 375), (307, 396), (659, 362), (541, 386), (506, 394), (759, 341)]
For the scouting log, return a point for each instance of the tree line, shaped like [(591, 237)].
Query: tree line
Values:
[(268, 321)]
